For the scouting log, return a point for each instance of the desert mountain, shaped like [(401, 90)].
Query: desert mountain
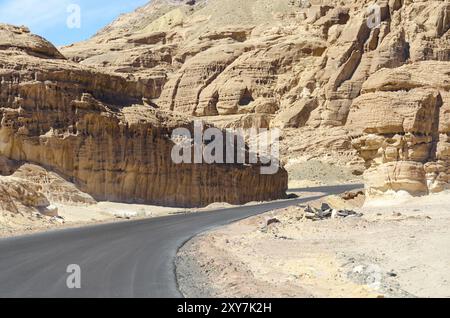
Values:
[(346, 81), (359, 83), (93, 130)]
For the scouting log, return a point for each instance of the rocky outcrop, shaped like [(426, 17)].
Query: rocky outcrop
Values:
[(17, 196), (14, 38), (56, 189), (376, 75), (403, 118), (97, 130)]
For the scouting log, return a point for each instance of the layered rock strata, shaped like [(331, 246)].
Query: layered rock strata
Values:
[(302, 66), (97, 130), (405, 137)]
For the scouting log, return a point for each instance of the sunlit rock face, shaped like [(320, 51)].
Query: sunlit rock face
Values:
[(96, 129), (351, 84), (403, 116)]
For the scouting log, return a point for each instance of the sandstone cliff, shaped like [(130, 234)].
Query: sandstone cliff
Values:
[(96, 130), (334, 79)]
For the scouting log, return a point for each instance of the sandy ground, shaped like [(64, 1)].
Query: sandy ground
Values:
[(77, 215), (304, 172), (13, 224), (391, 251)]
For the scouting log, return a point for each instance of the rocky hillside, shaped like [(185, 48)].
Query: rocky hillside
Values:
[(341, 78), (95, 130)]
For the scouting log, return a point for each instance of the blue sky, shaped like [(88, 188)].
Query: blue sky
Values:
[(48, 18)]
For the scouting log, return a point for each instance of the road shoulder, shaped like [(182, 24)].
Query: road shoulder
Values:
[(394, 251)]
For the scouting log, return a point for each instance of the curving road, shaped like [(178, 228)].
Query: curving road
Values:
[(127, 259)]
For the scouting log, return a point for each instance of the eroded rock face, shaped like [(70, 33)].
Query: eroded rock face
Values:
[(402, 115), (18, 196), (97, 130), (302, 66), (15, 38), (55, 188)]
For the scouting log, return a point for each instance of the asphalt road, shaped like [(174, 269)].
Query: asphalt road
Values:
[(126, 259)]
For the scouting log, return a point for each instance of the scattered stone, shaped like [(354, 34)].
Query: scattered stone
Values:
[(392, 274), (272, 221), (58, 219), (350, 195), (310, 215), (327, 212), (348, 213), (36, 215), (283, 238)]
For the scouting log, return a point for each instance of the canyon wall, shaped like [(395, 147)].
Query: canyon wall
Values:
[(359, 83), (97, 130)]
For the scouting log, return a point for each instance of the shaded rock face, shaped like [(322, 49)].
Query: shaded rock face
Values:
[(302, 65), (96, 130)]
